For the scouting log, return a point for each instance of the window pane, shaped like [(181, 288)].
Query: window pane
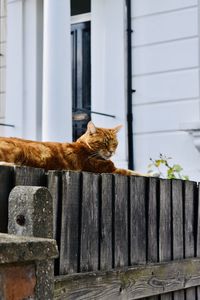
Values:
[(80, 7)]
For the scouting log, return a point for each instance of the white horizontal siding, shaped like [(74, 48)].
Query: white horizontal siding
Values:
[(3, 52), (146, 7), (3, 10), (2, 60), (166, 57), (166, 87), (178, 145), (3, 28), (2, 80), (165, 116), (159, 28), (166, 79)]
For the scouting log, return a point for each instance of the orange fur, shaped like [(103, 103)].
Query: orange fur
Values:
[(91, 152)]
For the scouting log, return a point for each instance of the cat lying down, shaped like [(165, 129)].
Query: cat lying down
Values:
[(90, 153)]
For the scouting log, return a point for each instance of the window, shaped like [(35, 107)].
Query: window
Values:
[(80, 7)]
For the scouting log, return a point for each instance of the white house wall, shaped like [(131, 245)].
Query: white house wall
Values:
[(2, 62), (166, 78)]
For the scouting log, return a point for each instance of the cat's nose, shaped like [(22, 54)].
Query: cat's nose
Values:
[(111, 153)]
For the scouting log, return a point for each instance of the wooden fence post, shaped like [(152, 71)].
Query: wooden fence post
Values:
[(31, 214)]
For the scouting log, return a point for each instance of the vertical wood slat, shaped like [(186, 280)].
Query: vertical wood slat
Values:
[(177, 221), (54, 186), (198, 235), (29, 176), (165, 238), (189, 230), (69, 241), (152, 225), (106, 237), (138, 220), (6, 184), (89, 252), (121, 221)]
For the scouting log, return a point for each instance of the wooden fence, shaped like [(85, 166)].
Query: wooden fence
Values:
[(105, 222)]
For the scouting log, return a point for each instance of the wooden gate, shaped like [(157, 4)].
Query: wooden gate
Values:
[(119, 237)]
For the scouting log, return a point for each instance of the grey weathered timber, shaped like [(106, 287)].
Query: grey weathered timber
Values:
[(6, 184), (69, 242), (189, 229), (29, 176), (198, 234), (121, 221), (31, 214), (106, 222), (177, 221), (54, 185), (165, 230), (137, 220), (129, 283), (152, 224), (89, 242)]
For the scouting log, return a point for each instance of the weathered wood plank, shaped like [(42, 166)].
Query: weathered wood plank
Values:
[(29, 176), (6, 184), (177, 221), (106, 222), (121, 221), (198, 233), (138, 220), (129, 283), (165, 230), (54, 184), (152, 224), (89, 252), (69, 241), (189, 228)]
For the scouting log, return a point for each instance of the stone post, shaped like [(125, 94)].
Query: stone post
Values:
[(31, 214), (19, 258)]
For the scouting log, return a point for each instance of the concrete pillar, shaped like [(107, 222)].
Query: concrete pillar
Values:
[(57, 104), (31, 214)]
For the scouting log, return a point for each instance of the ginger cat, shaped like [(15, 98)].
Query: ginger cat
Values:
[(91, 152)]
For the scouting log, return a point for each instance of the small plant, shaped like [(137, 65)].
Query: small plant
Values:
[(162, 164)]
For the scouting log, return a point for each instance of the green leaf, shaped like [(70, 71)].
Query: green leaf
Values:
[(177, 168)]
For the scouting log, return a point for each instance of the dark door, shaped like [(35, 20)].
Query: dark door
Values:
[(81, 77)]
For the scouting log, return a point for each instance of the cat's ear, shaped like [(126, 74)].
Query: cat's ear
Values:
[(91, 129), (117, 128)]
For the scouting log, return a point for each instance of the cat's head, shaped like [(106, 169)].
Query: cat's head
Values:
[(102, 141)]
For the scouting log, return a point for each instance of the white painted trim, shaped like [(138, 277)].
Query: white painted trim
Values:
[(15, 68), (108, 62), (24, 69), (81, 18), (57, 100)]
